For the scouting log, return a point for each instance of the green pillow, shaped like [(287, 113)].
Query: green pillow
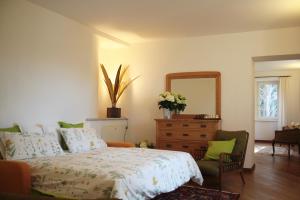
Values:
[(14, 128), (69, 125), (215, 148)]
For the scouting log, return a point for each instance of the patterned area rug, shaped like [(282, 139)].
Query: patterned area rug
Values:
[(197, 193)]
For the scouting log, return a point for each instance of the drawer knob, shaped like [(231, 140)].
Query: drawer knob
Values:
[(185, 146), (203, 135), (169, 134), (203, 126), (169, 125), (185, 125), (168, 145), (185, 134)]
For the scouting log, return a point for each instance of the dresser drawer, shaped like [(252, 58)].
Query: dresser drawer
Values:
[(167, 134), (184, 134), (194, 135), (181, 146), (168, 125), (206, 126)]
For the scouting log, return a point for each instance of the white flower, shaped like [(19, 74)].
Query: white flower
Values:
[(166, 93), (170, 98), (143, 144), (161, 98)]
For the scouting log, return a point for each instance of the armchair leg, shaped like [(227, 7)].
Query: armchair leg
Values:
[(242, 177), (220, 181), (289, 151)]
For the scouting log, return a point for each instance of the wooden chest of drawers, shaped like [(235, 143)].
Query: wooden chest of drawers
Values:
[(187, 135)]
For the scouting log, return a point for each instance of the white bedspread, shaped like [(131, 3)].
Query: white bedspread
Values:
[(122, 173)]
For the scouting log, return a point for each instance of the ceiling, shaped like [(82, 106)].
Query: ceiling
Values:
[(135, 21), (277, 65)]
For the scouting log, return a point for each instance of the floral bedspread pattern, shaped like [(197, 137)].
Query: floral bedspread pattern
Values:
[(122, 173)]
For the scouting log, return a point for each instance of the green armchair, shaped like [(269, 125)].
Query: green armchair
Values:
[(227, 162)]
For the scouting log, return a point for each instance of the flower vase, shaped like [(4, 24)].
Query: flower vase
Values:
[(167, 113), (177, 112)]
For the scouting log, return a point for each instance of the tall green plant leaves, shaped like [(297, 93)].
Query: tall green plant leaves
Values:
[(117, 83), (123, 72), (109, 84), (124, 86)]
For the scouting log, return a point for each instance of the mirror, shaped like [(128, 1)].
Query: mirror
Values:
[(201, 89)]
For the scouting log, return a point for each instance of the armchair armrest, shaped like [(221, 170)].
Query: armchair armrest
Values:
[(229, 161), (198, 154), (120, 144), (15, 177)]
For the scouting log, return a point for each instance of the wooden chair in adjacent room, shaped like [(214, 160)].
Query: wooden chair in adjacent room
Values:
[(289, 137)]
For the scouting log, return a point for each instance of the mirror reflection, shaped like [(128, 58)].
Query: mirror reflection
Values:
[(199, 92)]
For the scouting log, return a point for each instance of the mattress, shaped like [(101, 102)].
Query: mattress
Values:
[(122, 173)]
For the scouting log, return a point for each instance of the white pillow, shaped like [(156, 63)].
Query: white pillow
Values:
[(29, 129), (26, 146), (2, 148), (81, 139), (52, 129)]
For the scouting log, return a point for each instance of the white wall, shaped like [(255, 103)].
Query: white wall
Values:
[(229, 53), (48, 66), (264, 130)]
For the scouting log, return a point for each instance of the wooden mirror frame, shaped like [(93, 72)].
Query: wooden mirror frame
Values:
[(204, 74)]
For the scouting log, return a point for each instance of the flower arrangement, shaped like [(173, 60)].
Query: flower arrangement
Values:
[(145, 144), (172, 101)]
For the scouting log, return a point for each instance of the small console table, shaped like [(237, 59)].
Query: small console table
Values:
[(110, 129), (289, 137)]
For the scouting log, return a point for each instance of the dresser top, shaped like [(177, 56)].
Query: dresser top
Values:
[(106, 119), (190, 120)]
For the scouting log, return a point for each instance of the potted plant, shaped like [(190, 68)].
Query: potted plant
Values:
[(171, 101), (116, 90)]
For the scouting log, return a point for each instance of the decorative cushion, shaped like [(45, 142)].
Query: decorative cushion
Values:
[(69, 125), (14, 128), (54, 128), (29, 129), (22, 146), (81, 139), (215, 148)]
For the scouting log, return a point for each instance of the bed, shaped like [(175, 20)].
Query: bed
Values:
[(120, 173)]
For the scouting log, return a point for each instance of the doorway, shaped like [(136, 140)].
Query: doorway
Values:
[(277, 98)]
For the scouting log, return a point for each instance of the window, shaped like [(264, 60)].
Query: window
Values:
[(267, 99)]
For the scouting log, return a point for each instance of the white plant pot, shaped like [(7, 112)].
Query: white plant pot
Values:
[(167, 113)]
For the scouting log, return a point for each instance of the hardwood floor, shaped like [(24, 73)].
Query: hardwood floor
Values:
[(273, 178)]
